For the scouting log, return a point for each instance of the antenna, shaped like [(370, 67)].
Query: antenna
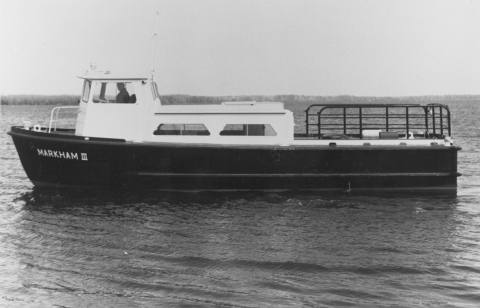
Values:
[(154, 45)]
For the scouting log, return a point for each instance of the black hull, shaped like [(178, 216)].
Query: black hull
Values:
[(71, 161)]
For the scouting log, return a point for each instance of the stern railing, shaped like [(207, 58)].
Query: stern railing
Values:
[(351, 119)]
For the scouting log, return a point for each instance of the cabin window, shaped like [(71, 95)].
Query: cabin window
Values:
[(182, 130), (248, 130), (86, 90), (114, 93), (154, 87)]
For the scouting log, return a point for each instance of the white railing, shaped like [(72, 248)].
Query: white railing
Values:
[(55, 111)]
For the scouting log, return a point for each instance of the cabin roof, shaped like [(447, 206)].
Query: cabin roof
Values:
[(252, 108), (109, 76)]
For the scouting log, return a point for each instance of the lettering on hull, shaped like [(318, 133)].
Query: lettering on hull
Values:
[(62, 155)]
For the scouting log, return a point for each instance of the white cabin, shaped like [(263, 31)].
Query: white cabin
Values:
[(130, 109)]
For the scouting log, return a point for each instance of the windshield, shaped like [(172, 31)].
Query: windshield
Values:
[(114, 93)]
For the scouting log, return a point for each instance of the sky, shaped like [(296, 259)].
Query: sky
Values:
[(259, 47)]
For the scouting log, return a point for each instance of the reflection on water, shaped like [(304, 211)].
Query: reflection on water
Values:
[(242, 249)]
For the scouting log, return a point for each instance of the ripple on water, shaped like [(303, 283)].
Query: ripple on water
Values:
[(239, 249)]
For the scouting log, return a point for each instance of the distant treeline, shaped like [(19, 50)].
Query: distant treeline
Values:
[(189, 99), (40, 99)]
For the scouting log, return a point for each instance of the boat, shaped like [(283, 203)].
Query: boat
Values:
[(124, 137)]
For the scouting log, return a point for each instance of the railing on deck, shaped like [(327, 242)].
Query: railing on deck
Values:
[(55, 112), (351, 119)]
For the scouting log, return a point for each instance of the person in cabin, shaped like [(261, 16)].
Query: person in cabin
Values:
[(122, 97)]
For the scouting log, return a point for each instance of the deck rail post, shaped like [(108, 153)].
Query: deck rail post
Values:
[(449, 123), (425, 109), (319, 117), (360, 120), (406, 114), (441, 121)]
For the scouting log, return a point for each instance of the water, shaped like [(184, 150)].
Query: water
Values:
[(245, 249)]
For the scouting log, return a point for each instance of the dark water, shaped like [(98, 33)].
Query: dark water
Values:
[(245, 249)]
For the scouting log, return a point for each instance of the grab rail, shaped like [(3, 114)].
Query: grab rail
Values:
[(57, 109), (357, 117)]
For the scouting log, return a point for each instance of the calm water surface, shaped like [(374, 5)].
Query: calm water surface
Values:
[(246, 249)]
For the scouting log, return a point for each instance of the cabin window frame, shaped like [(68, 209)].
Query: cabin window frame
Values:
[(86, 92), (181, 130), (245, 131)]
